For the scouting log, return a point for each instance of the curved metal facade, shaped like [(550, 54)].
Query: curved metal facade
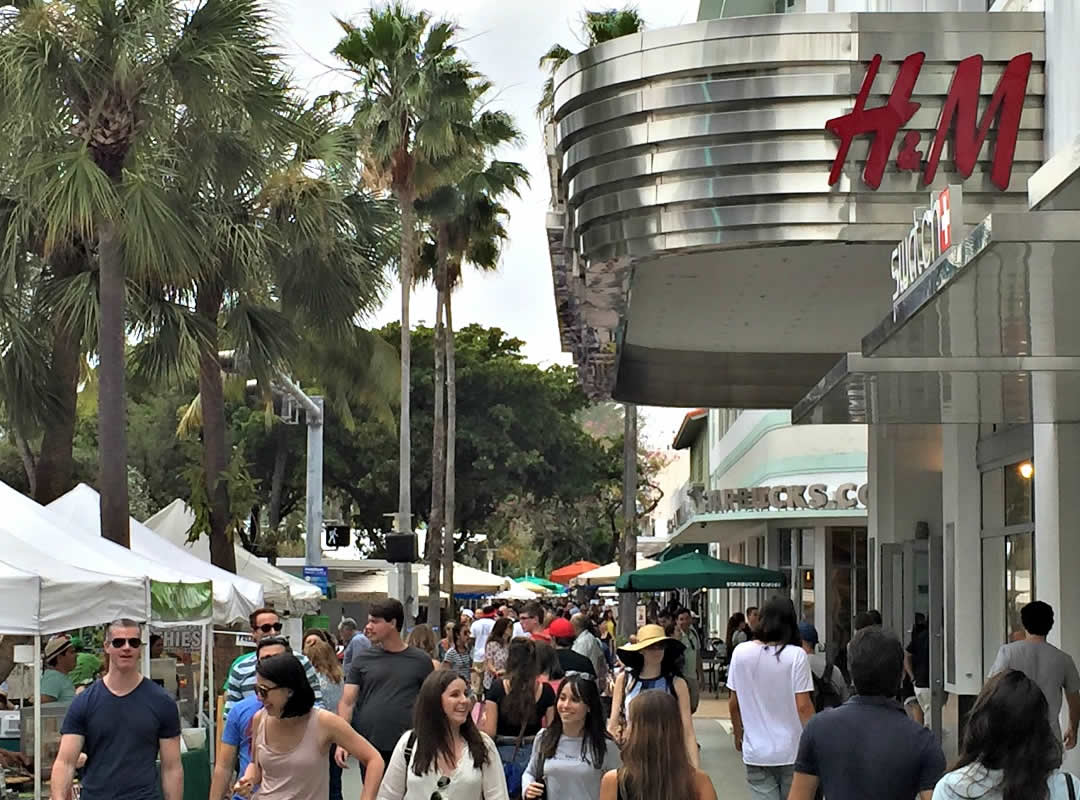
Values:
[(712, 136)]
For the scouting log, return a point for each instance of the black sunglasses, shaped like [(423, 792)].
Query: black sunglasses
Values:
[(442, 784), (134, 643), (276, 628)]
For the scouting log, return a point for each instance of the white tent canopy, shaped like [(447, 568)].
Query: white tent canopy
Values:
[(285, 591), (468, 580), (40, 594), (609, 573), (516, 592), (35, 526), (235, 597)]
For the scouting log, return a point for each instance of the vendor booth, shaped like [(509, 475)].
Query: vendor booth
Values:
[(284, 591), (40, 595), (609, 573), (235, 597)]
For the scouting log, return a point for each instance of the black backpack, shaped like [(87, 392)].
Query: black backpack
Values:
[(826, 695)]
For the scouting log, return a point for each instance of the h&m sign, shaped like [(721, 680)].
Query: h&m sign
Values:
[(958, 118)]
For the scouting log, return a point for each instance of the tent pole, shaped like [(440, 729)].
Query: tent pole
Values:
[(37, 716), (212, 702), (200, 719)]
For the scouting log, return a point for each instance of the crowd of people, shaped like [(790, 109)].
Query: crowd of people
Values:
[(541, 703)]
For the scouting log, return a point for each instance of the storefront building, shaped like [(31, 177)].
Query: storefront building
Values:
[(862, 218), (793, 499)]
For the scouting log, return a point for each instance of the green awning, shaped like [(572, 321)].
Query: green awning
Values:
[(699, 571), (187, 603), (551, 585)]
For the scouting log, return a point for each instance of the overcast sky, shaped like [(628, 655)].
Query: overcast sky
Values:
[(504, 39)]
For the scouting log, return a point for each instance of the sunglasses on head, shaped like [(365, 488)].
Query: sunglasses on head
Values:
[(442, 784), (275, 627), (134, 643)]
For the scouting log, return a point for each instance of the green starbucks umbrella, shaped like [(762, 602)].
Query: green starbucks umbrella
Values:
[(699, 571)]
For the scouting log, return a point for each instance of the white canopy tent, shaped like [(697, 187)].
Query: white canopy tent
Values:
[(516, 592), (609, 573), (235, 597), (37, 527), (285, 591), (468, 580), (41, 594)]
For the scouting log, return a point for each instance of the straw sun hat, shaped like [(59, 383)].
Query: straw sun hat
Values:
[(647, 636)]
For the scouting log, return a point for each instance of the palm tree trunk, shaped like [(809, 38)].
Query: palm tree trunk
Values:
[(215, 458), (26, 455), (112, 400), (409, 253), (277, 480), (451, 450), (438, 445), (55, 469)]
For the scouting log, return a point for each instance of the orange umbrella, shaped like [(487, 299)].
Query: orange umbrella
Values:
[(565, 574)]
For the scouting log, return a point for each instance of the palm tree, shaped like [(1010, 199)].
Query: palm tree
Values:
[(90, 93), (411, 90), (597, 27), (467, 227)]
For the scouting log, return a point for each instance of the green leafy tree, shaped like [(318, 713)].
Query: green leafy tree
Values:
[(92, 93), (596, 27)]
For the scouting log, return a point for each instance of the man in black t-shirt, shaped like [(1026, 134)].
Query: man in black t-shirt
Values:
[(123, 723), (572, 663), (384, 680)]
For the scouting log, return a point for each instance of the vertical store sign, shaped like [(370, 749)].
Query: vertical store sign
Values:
[(958, 118)]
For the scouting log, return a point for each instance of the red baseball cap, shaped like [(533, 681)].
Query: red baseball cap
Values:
[(561, 629)]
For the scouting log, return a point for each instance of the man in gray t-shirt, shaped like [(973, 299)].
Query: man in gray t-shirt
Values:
[(1053, 670)]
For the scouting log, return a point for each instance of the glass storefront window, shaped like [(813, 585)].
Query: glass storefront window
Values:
[(806, 576), (1019, 580), (1019, 493), (806, 547)]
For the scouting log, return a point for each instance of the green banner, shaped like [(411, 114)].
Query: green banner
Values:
[(181, 602)]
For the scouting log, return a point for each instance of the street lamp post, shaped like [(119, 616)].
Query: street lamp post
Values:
[(313, 518)]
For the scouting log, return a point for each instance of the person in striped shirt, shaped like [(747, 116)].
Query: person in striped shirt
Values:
[(241, 680)]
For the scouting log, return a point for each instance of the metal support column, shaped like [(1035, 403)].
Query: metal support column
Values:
[(937, 632), (313, 524)]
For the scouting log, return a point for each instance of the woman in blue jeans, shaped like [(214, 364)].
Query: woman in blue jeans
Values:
[(517, 706)]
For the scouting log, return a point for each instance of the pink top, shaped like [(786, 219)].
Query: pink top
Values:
[(303, 773)]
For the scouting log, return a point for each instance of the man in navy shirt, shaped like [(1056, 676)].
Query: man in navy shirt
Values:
[(868, 747), (123, 723), (236, 738)]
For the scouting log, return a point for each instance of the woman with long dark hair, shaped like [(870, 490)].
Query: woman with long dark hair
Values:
[(1009, 751), (459, 657), (291, 739), (496, 650), (771, 699), (655, 661), (516, 707), (655, 762), (570, 757), (736, 633), (445, 755)]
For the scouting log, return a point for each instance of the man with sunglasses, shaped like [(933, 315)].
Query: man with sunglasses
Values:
[(241, 681), (123, 723)]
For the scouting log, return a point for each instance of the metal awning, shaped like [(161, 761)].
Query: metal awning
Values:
[(860, 389), (985, 324)]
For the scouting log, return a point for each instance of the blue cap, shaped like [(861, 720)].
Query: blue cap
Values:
[(808, 633)]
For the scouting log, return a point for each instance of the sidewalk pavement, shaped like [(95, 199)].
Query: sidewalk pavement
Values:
[(713, 708)]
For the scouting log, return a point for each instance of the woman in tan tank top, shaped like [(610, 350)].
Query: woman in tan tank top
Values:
[(291, 739)]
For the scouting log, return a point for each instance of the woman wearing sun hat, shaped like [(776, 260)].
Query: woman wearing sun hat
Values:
[(654, 661)]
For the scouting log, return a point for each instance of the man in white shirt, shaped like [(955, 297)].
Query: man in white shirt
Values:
[(480, 631)]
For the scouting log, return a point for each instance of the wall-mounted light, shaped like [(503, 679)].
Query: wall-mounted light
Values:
[(1026, 470)]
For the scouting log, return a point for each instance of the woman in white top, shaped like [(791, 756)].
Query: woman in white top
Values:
[(570, 757), (444, 756), (1009, 750), (771, 700)]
